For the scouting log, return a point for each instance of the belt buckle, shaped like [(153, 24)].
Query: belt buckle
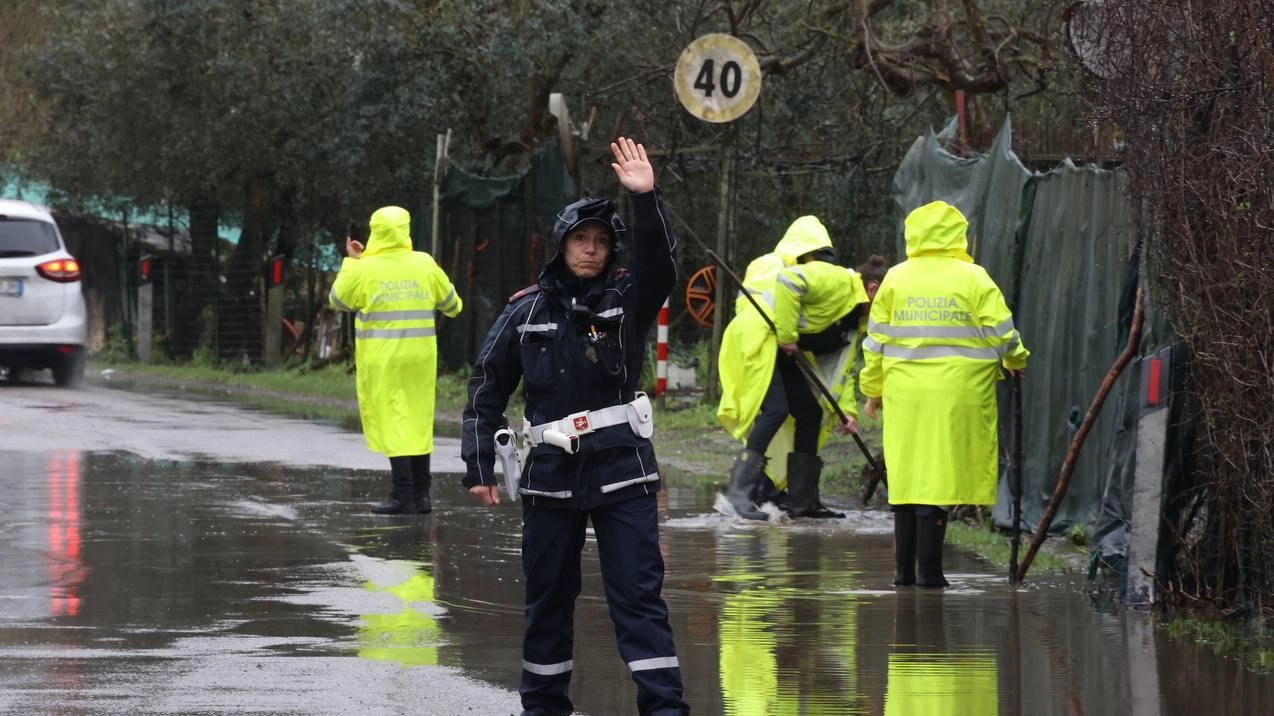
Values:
[(578, 423)]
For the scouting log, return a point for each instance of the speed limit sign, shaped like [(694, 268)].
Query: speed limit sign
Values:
[(717, 78)]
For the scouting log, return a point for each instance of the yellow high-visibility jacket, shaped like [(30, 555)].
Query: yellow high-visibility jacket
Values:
[(803, 236), (938, 334), (393, 293), (799, 298), (811, 297)]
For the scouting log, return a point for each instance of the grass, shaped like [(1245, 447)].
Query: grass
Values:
[(1055, 557), (1252, 643)]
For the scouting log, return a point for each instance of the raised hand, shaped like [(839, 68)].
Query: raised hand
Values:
[(631, 166)]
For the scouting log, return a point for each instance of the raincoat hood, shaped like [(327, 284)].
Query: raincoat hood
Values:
[(390, 231), (588, 208), (806, 234), (937, 229)]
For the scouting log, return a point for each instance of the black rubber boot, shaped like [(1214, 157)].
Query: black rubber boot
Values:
[(402, 495), (802, 483), (904, 546), (748, 468), (803, 473), (931, 531), (765, 491), (394, 506), (421, 478)]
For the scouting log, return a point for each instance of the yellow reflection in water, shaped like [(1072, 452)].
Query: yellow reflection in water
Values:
[(409, 637), (785, 617), (942, 684)]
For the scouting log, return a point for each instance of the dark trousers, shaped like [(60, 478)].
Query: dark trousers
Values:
[(788, 394), (408, 473), (633, 574)]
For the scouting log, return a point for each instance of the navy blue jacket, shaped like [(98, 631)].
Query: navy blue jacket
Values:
[(576, 345)]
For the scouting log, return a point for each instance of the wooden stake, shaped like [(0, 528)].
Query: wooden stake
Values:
[(1077, 442)]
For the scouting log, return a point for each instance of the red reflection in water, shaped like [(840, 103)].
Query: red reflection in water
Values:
[(65, 570)]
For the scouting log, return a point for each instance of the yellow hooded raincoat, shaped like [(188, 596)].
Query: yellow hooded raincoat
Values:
[(800, 298), (393, 293), (938, 333)]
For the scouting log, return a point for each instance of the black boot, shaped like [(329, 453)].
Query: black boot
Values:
[(803, 473), (394, 506), (904, 546), (931, 531), (421, 478), (402, 495), (748, 468), (765, 491)]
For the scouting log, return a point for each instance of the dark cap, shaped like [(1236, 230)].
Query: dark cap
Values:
[(587, 209)]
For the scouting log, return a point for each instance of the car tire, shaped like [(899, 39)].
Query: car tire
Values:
[(68, 370)]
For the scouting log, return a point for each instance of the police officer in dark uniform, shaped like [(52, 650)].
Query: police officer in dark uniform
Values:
[(576, 340)]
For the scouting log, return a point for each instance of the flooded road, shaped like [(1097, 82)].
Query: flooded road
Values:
[(132, 585)]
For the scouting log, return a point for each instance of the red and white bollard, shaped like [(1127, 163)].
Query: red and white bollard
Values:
[(661, 357)]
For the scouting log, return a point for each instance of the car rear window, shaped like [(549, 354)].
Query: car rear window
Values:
[(26, 237)]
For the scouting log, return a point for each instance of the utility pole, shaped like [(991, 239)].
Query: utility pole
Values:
[(723, 240), (440, 174), (718, 79)]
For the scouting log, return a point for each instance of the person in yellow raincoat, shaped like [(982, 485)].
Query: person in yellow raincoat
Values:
[(837, 371), (808, 298), (938, 334), (394, 293)]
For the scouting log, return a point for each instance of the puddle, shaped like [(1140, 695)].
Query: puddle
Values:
[(244, 587)]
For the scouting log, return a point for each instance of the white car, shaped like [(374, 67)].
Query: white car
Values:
[(42, 316)]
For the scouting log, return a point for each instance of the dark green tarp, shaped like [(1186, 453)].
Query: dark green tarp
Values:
[(496, 235), (1058, 244)]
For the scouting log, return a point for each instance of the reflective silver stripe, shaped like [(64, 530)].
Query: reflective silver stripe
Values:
[(396, 316), (340, 305), (635, 481), (1005, 326), (888, 329), (1013, 343), (537, 327), (446, 302), (563, 495), (612, 312), (659, 662), (548, 669), (394, 333), (871, 344), (798, 289), (765, 298), (923, 352)]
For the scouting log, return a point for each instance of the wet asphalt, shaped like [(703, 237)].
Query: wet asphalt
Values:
[(162, 555)]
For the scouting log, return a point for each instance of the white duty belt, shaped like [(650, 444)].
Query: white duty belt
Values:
[(565, 433)]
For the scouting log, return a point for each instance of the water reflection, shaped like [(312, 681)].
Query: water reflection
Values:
[(143, 561), (407, 630), (788, 626), (65, 569), (928, 676)]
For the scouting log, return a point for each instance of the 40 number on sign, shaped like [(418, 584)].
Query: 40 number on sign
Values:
[(731, 79), (718, 78)]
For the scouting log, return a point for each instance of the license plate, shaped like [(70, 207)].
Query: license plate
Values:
[(10, 286)]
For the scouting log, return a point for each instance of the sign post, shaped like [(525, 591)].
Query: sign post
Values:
[(274, 281), (145, 306), (718, 79)]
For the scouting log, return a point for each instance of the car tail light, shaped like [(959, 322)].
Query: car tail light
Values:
[(60, 270)]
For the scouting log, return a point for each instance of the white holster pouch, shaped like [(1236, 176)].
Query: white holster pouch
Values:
[(638, 415), (506, 448)]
